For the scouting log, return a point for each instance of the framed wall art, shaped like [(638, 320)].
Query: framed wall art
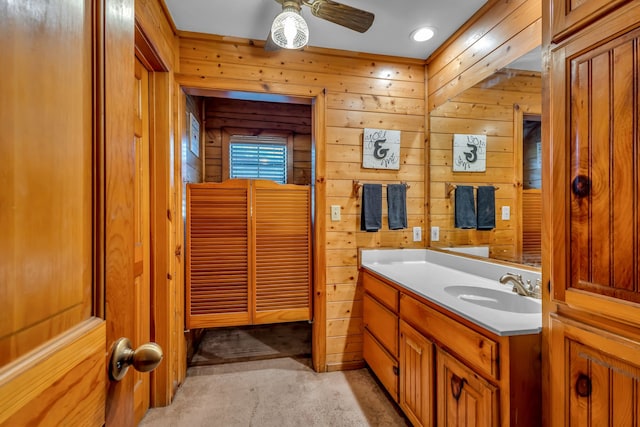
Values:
[(469, 153), (381, 149)]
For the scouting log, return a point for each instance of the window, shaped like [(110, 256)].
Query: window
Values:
[(259, 160)]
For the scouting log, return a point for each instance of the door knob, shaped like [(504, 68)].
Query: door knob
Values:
[(144, 358)]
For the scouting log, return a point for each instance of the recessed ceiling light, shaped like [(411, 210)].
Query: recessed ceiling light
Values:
[(423, 34)]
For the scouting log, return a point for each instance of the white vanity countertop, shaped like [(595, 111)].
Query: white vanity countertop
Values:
[(442, 279)]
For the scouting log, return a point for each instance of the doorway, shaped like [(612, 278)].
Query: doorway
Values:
[(248, 117)]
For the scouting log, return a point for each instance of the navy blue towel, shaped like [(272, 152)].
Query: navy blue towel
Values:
[(397, 206), (371, 208), (486, 208), (465, 209)]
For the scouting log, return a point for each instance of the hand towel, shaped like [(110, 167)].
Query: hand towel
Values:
[(397, 206), (465, 209), (371, 207), (486, 207)]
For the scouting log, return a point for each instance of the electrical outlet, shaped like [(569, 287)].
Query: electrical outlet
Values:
[(335, 212), (435, 234), (506, 213), (417, 234)]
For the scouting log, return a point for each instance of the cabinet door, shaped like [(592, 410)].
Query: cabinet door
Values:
[(595, 377), (464, 398), (597, 171), (569, 16), (416, 376)]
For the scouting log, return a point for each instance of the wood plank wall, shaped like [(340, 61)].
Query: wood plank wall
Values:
[(257, 118), (487, 108), (361, 91), (495, 36)]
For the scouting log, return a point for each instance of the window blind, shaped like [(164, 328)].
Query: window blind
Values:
[(258, 161)]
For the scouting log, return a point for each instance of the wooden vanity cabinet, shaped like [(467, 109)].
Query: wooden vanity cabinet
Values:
[(498, 377), (380, 341)]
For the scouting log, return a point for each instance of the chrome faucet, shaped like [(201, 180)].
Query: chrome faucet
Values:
[(518, 285)]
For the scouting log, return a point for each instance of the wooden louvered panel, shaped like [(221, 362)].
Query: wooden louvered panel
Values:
[(532, 227), (218, 254), (283, 252)]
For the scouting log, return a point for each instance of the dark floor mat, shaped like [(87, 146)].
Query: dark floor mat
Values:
[(241, 344)]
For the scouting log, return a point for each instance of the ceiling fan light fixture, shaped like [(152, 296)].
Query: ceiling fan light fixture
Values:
[(423, 34), (289, 29)]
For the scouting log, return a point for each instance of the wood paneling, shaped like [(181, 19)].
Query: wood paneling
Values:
[(495, 36), (488, 108), (192, 164), (361, 91)]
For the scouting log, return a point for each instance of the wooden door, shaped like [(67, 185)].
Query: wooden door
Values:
[(66, 251), (464, 398), (596, 171), (416, 376), (595, 377), (281, 219), (141, 262)]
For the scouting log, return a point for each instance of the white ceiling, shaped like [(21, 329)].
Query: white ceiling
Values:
[(389, 34)]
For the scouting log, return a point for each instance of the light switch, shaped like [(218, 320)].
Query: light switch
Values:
[(506, 213), (335, 212), (417, 234), (435, 234)]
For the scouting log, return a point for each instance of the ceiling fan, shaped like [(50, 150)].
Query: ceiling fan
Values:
[(289, 29)]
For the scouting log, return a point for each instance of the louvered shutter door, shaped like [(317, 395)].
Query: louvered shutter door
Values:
[(532, 226), (283, 252), (218, 254)]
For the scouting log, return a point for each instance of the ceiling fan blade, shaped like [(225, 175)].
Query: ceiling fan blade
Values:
[(270, 45), (341, 14)]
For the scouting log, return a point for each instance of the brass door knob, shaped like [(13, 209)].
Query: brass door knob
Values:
[(144, 358)]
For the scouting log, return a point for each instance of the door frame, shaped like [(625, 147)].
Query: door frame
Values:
[(165, 255), (316, 98)]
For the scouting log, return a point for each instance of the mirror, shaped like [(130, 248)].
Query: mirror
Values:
[(500, 120)]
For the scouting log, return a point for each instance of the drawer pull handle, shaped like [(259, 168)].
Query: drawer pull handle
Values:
[(583, 386), (457, 384), (396, 371), (581, 186)]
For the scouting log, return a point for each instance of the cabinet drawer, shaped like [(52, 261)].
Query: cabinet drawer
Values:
[(381, 363), (382, 323), (476, 349), (384, 293)]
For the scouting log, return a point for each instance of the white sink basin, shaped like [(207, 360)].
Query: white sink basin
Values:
[(494, 299)]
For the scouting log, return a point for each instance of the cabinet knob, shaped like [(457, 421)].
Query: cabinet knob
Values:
[(457, 384), (581, 186), (396, 371), (583, 386)]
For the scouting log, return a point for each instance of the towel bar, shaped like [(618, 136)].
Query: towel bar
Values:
[(356, 187), (450, 187)]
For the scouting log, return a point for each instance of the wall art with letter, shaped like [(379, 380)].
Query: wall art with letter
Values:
[(381, 149), (194, 135), (469, 153)]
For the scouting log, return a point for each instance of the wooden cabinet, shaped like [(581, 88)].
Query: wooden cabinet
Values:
[(380, 342), (569, 16), (600, 377), (495, 379), (594, 222), (464, 398), (416, 376)]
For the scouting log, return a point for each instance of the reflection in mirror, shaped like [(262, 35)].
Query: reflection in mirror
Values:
[(506, 108)]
